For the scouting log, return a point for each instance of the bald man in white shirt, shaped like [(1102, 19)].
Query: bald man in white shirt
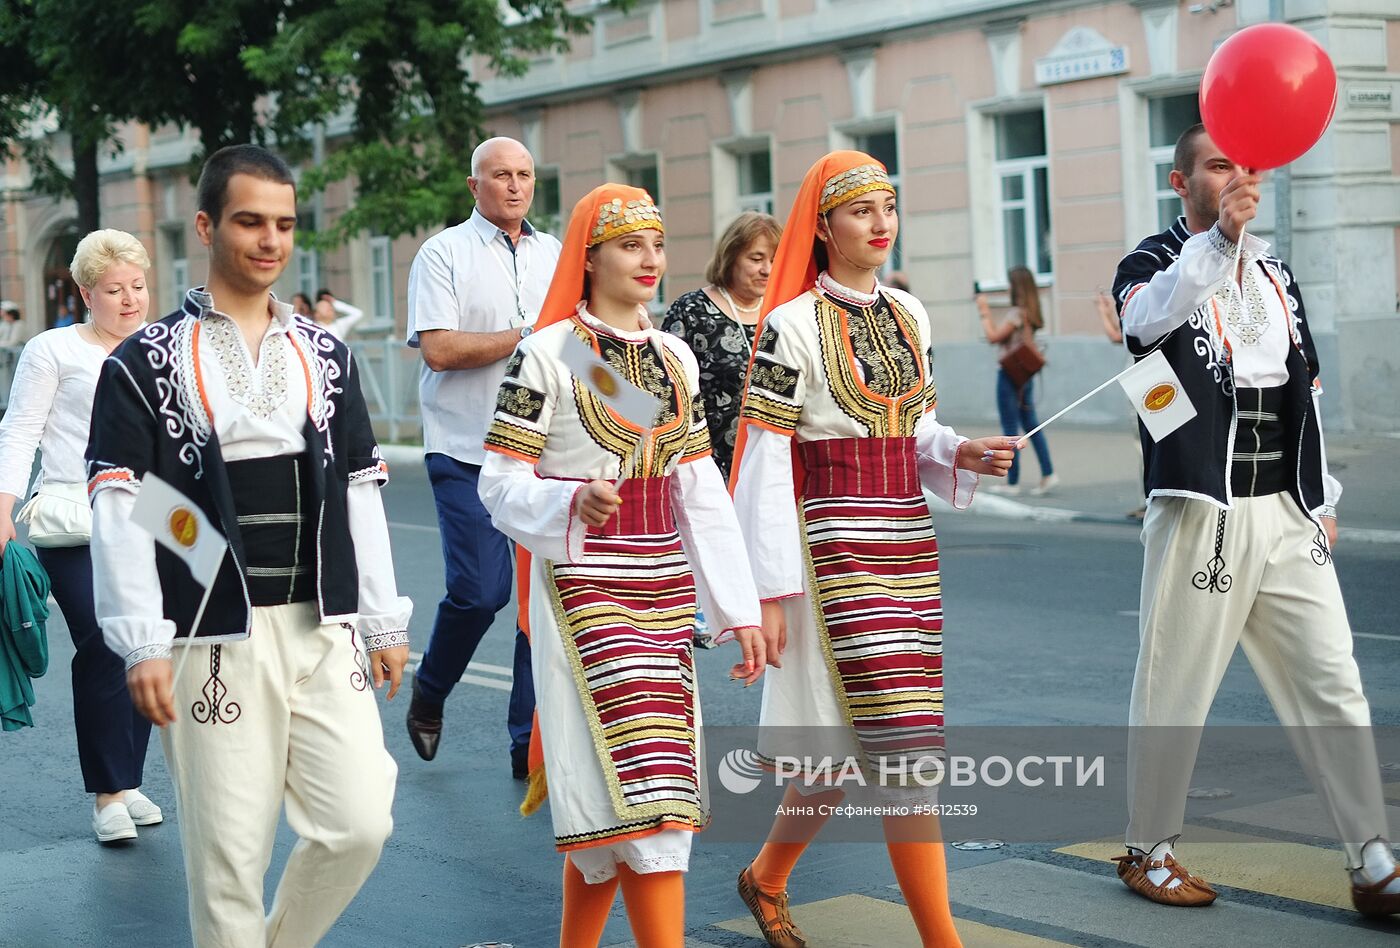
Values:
[(473, 292)]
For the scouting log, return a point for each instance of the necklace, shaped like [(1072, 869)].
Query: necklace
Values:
[(828, 285), (748, 344), (101, 337), (735, 306)]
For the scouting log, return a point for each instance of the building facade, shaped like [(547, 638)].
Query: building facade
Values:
[(1019, 133)]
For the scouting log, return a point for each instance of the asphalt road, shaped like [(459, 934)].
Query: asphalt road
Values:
[(1040, 630)]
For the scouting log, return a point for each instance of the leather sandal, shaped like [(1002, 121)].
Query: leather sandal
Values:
[(1192, 892), (1370, 900), (771, 913)]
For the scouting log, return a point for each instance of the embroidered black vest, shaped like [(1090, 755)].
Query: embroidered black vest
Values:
[(1194, 460), (150, 415)]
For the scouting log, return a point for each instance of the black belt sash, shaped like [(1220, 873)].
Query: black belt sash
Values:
[(1262, 462), (273, 500)]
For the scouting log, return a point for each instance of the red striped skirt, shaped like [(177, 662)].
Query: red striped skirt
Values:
[(873, 566), (627, 617)]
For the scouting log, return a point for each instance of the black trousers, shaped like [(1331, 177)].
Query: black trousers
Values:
[(112, 734)]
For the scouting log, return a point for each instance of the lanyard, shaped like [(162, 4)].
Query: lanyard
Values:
[(514, 279)]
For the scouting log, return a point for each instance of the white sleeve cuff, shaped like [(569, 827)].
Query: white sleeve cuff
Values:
[(138, 638)]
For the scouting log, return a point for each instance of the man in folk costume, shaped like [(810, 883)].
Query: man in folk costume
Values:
[(615, 575), (256, 416), (841, 390), (1239, 533)]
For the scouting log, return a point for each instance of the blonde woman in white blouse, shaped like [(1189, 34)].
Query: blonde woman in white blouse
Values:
[(50, 410)]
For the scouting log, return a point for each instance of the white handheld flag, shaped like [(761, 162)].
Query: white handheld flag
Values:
[(1156, 393), (637, 406), (180, 526)]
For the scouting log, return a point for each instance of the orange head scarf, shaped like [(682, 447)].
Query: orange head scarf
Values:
[(838, 177), (608, 211)]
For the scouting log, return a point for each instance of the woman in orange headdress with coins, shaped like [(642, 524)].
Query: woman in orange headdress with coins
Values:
[(594, 395), (839, 417)]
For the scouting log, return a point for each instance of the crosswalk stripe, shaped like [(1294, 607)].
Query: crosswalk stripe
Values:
[(1290, 870), (859, 921), (470, 678)]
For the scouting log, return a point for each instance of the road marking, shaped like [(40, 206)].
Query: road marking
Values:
[(1376, 635), (859, 921), (500, 684), (421, 528)]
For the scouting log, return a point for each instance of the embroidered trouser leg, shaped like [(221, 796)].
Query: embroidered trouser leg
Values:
[(1273, 591), (285, 716)]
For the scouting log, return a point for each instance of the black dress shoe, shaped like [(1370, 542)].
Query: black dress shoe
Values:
[(520, 763), (424, 725)]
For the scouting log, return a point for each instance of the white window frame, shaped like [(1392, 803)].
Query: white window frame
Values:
[(1140, 191), (848, 136), (985, 205), (727, 202), (1025, 169), (381, 277), (177, 280), (560, 221)]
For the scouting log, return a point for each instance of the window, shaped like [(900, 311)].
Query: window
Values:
[(381, 281), (883, 146), (178, 275), (308, 261), (755, 180), (1023, 192), (546, 210), (646, 177), (1167, 118)]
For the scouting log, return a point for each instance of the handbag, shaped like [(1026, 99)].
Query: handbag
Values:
[(58, 515), (1023, 360)]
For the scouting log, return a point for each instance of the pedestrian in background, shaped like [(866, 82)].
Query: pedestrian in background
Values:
[(1020, 325), (336, 315), (473, 292), (718, 321), (50, 411)]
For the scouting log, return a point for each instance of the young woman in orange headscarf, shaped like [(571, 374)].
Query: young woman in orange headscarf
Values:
[(839, 414), (615, 573)]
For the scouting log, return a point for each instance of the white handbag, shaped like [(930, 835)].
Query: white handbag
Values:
[(58, 515)]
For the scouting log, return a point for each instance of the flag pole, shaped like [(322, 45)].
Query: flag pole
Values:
[(636, 460), (1021, 441), (194, 626)]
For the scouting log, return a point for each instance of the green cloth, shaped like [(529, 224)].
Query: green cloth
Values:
[(24, 646)]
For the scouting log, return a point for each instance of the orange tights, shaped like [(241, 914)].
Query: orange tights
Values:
[(916, 853), (655, 907)]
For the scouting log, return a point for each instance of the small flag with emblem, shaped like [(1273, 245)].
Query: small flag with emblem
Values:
[(632, 403), (180, 526), (1155, 391)]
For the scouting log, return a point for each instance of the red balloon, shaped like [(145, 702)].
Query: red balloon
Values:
[(1267, 95)]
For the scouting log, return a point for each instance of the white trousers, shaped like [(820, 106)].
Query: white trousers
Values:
[(294, 722), (1283, 605)]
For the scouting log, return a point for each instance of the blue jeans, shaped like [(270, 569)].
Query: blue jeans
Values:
[(479, 579), (112, 734), (1017, 413)]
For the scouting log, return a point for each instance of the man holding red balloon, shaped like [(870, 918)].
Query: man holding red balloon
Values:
[(1239, 530)]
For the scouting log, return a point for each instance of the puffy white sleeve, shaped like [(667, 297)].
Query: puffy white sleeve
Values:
[(125, 584), (384, 614), (937, 447), (1153, 308), (536, 512), (767, 512), (26, 416), (1331, 487)]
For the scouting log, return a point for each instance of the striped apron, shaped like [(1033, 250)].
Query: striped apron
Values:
[(627, 618), (872, 559)]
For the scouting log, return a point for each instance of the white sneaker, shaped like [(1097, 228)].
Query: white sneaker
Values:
[(1008, 490), (112, 823), (141, 810), (1046, 485)]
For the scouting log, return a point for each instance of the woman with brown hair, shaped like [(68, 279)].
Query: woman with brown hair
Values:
[(1016, 406), (718, 321)]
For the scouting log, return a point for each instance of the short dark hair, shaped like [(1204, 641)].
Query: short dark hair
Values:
[(1184, 158), (251, 160), (324, 292)]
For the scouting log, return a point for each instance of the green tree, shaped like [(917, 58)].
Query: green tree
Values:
[(400, 69)]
